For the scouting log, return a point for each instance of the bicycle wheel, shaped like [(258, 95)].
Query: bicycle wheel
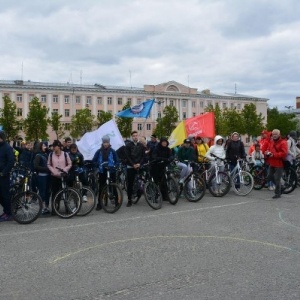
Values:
[(194, 188), (289, 180), (298, 173), (67, 203), (219, 185), (92, 183), (242, 183), (88, 201), (152, 195), (111, 198), (26, 207), (259, 177), (137, 192), (173, 190)]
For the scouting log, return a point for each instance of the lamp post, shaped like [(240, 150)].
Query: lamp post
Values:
[(159, 102)]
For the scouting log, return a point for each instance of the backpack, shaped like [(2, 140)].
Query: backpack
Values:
[(65, 158)]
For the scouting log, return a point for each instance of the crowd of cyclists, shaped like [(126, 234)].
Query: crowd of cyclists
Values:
[(48, 161)]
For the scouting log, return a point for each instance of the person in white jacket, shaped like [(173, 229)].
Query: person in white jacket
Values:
[(217, 150)]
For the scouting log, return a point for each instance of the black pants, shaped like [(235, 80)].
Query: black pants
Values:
[(158, 174), (5, 194), (131, 172), (102, 182)]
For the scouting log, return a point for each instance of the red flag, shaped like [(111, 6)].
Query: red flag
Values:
[(202, 125)]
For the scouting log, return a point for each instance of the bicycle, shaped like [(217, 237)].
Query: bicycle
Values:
[(259, 174), (91, 175), (193, 186), (122, 176), (217, 181), (26, 204), (111, 197), (241, 181), (144, 185), (67, 202), (87, 194), (289, 179)]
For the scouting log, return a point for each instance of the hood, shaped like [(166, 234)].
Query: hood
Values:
[(218, 137), (164, 139)]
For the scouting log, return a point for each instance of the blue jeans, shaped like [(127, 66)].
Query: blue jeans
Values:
[(5, 196), (43, 185)]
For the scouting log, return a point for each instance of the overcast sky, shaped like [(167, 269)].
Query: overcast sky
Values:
[(206, 44)]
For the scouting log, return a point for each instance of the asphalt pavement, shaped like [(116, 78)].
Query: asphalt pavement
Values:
[(232, 247)]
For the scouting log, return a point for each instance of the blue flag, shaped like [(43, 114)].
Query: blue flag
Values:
[(138, 111)]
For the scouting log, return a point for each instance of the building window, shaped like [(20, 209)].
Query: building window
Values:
[(184, 115), (99, 100), (99, 113), (129, 101), (239, 106), (148, 126), (224, 105), (232, 105), (138, 101), (171, 103), (54, 111), (67, 126), (120, 101), (67, 113), (55, 98), (67, 99), (19, 112), (20, 127), (88, 100), (201, 104), (109, 100), (77, 111), (19, 98), (44, 98), (194, 114), (139, 126), (183, 103), (194, 104), (31, 97), (159, 115), (77, 99)]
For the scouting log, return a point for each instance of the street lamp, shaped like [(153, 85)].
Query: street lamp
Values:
[(159, 102)]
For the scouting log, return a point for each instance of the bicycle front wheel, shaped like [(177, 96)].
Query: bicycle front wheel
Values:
[(26, 207), (173, 190), (242, 183), (88, 201), (290, 180), (111, 198), (194, 188), (219, 184), (152, 195), (67, 203), (259, 177)]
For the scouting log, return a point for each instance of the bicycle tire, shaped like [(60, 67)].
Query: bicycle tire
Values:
[(153, 195), (194, 188), (136, 191), (220, 186), (297, 168), (173, 190), (258, 177), (111, 198), (26, 207), (93, 184), (242, 183), (290, 181), (67, 208), (88, 205)]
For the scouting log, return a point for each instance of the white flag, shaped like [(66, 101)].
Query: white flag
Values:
[(91, 141)]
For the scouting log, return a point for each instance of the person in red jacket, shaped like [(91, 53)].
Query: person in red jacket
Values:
[(276, 152)]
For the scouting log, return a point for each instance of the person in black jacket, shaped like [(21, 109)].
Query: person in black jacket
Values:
[(43, 176), (161, 156), (135, 153), (235, 149), (7, 161)]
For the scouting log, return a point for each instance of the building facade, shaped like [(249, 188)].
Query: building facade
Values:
[(67, 99)]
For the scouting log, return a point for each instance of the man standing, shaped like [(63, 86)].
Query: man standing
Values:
[(135, 153), (276, 152), (152, 143), (235, 149), (6, 164)]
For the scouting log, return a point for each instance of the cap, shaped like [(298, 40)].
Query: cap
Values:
[(187, 141), (293, 134), (56, 143), (153, 136), (105, 139), (163, 139)]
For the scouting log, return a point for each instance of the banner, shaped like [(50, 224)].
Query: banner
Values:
[(138, 111), (202, 125), (91, 141), (178, 135)]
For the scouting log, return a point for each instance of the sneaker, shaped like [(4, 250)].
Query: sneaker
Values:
[(181, 181), (5, 217), (98, 207), (84, 198), (276, 196), (270, 188), (129, 203), (45, 211)]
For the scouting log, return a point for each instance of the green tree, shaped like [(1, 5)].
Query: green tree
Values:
[(56, 125), (36, 122), (252, 122), (167, 123), (125, 124), (233, 121), (285, 122), (103, 117), (81, 122), (9, 119), (219, 118)]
